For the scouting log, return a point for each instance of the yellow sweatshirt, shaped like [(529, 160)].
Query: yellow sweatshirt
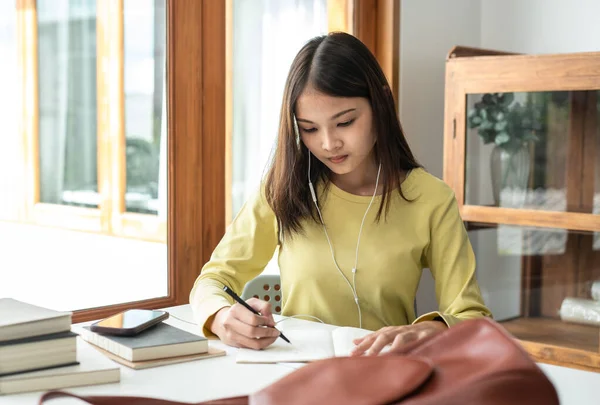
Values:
[(427, 232)]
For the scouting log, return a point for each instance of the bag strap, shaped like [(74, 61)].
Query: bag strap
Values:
[(127, 400), (108, 400)]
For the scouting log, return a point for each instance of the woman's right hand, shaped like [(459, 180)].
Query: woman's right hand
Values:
[(238, 327)]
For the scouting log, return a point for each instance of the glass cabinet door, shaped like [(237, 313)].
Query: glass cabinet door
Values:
[(543, 286)]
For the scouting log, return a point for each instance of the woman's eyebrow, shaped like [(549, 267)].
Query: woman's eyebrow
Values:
[(334, 116)]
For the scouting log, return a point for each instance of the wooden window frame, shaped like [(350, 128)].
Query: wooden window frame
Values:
[(196, 113), (377, 24)]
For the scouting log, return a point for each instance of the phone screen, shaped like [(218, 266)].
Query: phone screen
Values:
[(130, 319)]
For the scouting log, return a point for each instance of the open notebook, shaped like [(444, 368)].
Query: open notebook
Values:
[(307, 345)]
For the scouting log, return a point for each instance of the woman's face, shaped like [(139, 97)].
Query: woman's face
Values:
[(337, 130)]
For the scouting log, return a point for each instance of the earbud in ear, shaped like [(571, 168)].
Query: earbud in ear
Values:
[(296, 131)]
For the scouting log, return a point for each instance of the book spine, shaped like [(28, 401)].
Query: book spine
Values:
[(106, 344)]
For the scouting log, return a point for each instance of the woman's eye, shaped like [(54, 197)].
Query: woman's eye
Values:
[(308, 130), (345, 124)]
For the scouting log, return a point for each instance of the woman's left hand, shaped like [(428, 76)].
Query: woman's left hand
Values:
[(372, 344)]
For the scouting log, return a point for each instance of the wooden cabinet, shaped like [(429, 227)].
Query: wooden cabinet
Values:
[(522, 153)]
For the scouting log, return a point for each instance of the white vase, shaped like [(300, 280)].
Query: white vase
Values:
[(510, 169)]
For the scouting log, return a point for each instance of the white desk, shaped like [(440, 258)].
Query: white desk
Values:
[(221, 377), (187, 382)]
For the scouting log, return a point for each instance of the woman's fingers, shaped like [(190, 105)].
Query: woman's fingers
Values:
[(406, 337), (245, 329), (251, 343), (238, 327), (241, 313), (377, 346), (359, 340), (374, 343), (364, 344), (263, 307), (253, 330), (239, 334)]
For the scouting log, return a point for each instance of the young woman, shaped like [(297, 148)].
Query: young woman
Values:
[(354, 215)]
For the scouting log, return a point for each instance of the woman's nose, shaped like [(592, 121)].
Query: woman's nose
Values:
[(329, 142)]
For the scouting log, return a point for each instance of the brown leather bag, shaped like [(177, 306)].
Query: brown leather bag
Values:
[(475, 362)]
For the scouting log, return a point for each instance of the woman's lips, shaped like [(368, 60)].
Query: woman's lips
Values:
[(338, 159)]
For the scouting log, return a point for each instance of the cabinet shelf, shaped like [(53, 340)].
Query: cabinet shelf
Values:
[(556, 342), (575, 221)]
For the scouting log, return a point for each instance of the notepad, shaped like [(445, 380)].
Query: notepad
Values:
[(307, 345)]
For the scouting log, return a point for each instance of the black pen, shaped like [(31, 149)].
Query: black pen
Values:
[(254, 311)]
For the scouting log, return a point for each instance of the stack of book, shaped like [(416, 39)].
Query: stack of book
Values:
[(38, 351), (159, 345)]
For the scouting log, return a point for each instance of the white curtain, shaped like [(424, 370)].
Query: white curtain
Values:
[(267, 34), (67, 97), (11, 180), (162, 165), (144, 70)]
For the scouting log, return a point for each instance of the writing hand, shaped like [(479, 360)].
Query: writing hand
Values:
[(373, 344), (238, 327)]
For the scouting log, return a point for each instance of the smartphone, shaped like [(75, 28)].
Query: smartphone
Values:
[(129, 322)]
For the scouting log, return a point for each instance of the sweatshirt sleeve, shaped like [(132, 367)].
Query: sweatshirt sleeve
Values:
[(452, 262), (241, 255)]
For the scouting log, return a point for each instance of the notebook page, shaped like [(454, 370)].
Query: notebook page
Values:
[(307, 345), (342, 338)]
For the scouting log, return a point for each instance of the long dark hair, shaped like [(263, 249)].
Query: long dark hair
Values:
[(338, 65)]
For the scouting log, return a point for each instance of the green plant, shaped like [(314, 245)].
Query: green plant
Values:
[(506, 123)]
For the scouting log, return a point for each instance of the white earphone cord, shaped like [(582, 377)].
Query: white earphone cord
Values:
[(354, 269)]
